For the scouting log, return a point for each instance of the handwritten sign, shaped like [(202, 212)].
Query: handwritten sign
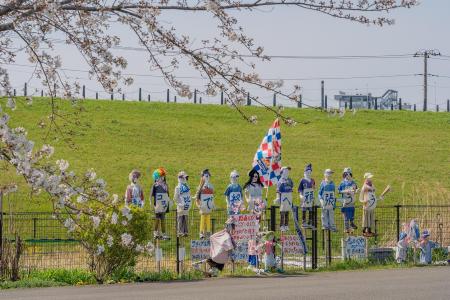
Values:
[(200, 249), (354, 247), (292, 245), (246, 228)]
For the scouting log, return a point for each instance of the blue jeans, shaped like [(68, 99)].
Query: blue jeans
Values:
[(349, 215)]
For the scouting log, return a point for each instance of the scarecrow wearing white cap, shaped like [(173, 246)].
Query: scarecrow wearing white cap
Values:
[(306, 193), (285, 187), (204, 199), (182, 198), (347, 189), (402, 248), (369, 200), (426, 247), (134, 194), (327, 200), (234, 196)]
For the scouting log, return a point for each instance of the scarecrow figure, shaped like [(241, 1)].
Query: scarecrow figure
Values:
[(402, 248), (253, 193), (306, 193), (347, 189), (327, 200), (284, 197), (160, 194), (182, 198), (267, 247), (134, 194), (234, 195), (369, 200), (204, 199), (426, 247)]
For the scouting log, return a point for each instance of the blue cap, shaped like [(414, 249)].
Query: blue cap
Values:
[(308, 167), (402, 235)]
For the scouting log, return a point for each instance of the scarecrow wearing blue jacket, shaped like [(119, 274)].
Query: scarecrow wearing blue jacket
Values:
[(285, 187), (347, 190), (327, 200), (234, 195), (306, 189), (426, 247)]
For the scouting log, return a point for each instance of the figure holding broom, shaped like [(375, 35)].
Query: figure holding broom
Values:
[(369, 200)]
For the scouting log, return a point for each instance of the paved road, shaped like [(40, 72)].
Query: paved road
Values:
[(416, 283)]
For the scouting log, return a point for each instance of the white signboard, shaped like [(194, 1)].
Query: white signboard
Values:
[(354, 247), (246, 228), (292, 245), (200, 249)]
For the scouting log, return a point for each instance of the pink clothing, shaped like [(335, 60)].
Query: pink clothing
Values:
[(252, 247), (221, 244), (269, 245)]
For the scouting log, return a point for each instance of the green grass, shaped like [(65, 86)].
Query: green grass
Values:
[(404, 149)]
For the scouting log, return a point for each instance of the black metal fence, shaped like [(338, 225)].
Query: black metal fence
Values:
[(48, 245)]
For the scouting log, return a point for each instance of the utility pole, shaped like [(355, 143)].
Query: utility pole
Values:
[(426, 54)]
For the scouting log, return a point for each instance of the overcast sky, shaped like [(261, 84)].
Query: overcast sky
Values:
[(289, 31)]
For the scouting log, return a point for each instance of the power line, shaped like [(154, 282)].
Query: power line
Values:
[(276, 78)]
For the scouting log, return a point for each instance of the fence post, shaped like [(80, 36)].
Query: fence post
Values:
[(400, 104), (414, 107), (15, 92), (168, 96), (200, 100), (140, 94), (392, 106), (329, 247), (42, 93), (322, 93), (25, 89), (195, 96), (96, 95), (376, 103), (299, 103), (177, 242), (351, 102), (1, 226), (397, 220), (249, 101), (148, 97), (34, 227), (123, 97), (437, 108), (84, 92), (448, 102), (345, 105), (369, 104), (175, 98), (274, 99), (326, 101), (221, 98), (314, 240), (112, 95), (273, 218)]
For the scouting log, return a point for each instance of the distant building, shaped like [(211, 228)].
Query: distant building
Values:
[(358, 101)]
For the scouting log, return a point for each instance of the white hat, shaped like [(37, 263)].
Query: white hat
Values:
[(347, 170), (328, 171), (285, 168), (234, 174), (368, 175), (183, 174)]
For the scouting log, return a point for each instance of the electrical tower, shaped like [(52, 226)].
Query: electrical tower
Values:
[(426, 54)]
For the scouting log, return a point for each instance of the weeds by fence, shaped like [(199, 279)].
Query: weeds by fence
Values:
[(48, 245)]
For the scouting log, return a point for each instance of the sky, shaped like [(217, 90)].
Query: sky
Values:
[(298, 32)]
